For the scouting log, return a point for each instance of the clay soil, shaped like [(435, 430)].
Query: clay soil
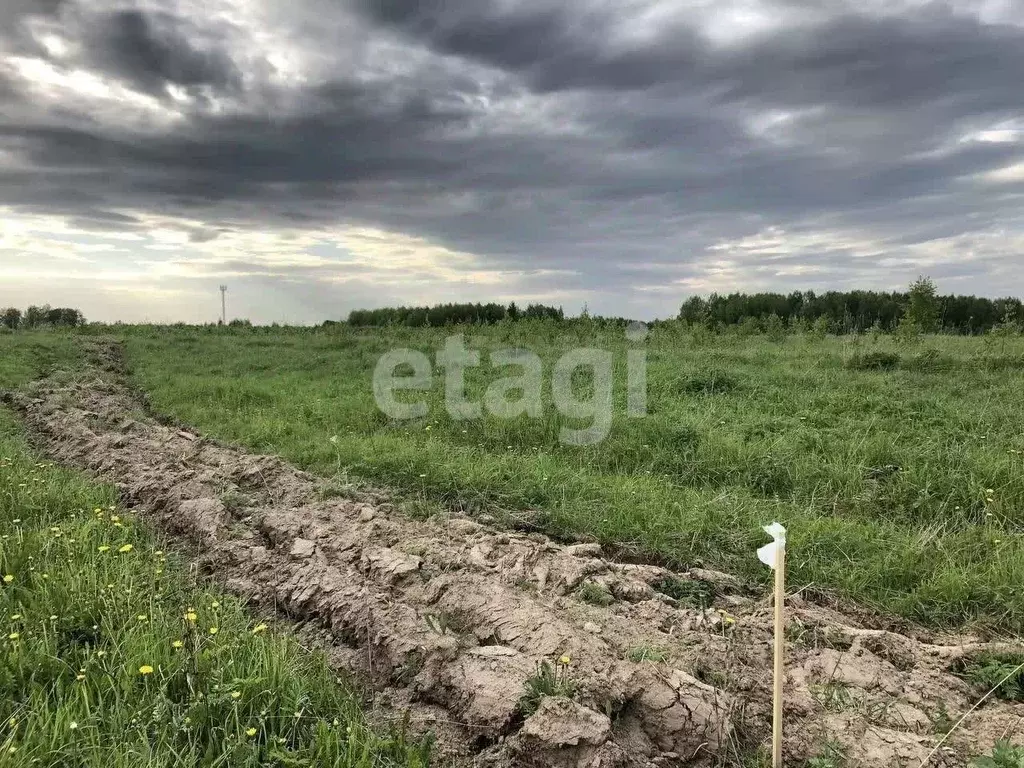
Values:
[(450, 620)]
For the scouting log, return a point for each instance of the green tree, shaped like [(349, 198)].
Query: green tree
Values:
[(923, 305), (775, 327), (11, 318), (36, 316)]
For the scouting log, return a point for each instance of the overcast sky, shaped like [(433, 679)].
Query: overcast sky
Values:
[(321, 155)]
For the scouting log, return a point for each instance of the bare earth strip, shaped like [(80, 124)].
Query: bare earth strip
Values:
[(451, 619)]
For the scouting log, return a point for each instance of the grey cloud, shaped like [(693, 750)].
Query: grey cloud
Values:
[(14, 13), (549, 44), (850, 59), (154, 49), (648, 154)]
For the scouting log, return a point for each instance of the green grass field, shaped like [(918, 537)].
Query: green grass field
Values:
[(741, 430), (111, 655)]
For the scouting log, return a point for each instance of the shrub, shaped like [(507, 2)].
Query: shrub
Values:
[(775, 328), (1002, 671), (1004, 755), (821, 327)]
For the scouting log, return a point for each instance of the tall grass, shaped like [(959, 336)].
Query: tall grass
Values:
[(111, 655), (902, 486), (883, 476)]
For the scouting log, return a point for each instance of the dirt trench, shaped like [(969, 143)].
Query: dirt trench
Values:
[(453, 620)]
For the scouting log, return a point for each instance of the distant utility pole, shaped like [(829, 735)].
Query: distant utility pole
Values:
[(223, 305)]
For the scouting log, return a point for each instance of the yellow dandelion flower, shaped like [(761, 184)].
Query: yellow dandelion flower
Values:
[(214, 630), (104, 548), (565, 660), (142, 617), (79, 677), (126, 548), (259, 628), (250, 732), (177, 644), (145, 669), (8, 578), (191, 616), (236, 694), (115, 518), (13, 636)]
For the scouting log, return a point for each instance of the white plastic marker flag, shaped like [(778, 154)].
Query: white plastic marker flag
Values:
[(774, 556), (769, 554)]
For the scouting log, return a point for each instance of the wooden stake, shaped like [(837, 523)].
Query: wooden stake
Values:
[(780, 645)]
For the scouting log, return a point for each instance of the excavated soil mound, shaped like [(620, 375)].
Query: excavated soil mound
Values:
[(657, 669)]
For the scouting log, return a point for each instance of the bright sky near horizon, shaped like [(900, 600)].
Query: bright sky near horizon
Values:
[(322, 155)]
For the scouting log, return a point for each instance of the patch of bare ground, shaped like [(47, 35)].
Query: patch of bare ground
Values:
[(450, 620)]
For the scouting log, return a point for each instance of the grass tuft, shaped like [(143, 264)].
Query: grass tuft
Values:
[(1004, 755), (595, 594), (688, 592), (549, 680), (1002, 671)]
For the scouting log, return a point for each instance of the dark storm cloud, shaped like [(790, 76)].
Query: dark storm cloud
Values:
[(869, 62), (13, 12), (555, 46), (154, 49), (538, 135)]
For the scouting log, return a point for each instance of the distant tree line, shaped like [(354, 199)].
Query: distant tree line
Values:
[(856, 311), (41, 317), (445, 314)]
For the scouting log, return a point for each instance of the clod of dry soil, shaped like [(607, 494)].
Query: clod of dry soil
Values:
[(450, 619)]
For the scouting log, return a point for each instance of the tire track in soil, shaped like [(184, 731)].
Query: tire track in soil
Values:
[(450, 619)]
